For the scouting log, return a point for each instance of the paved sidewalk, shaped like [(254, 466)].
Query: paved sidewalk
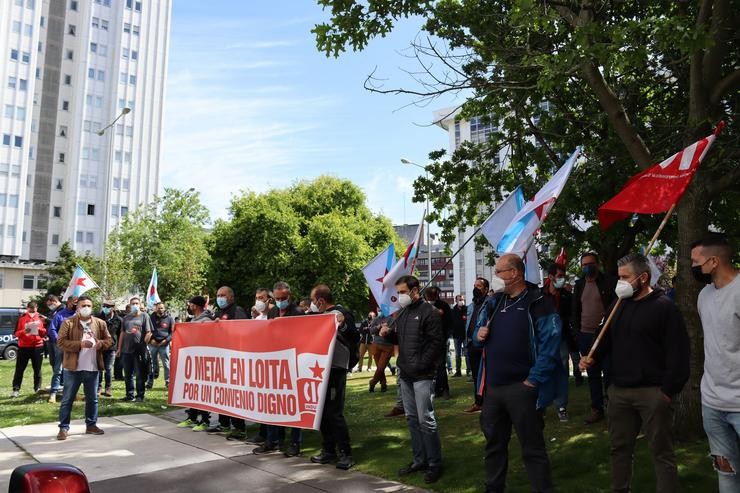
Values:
[(150, 452)]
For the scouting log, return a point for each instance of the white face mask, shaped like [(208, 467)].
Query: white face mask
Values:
[(85, 312), (559, 282), (260, 305), (624, 290), (404, 300), (497, 284), (313, 308)]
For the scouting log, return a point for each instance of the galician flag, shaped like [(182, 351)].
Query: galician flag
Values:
[(520, 233), (377, 269), (152, 297), (79, 284)]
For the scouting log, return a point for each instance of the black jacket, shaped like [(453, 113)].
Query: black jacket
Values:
[(446, 316), (347, 335), (564, 307), (231, 312), (459, 316), (420, 341), (648, 344), (162, 327), (606, 285), (291, 311), (114, 327)]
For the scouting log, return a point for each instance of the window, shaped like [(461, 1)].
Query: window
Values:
[(73, 5), (127, 28), (103, 50), (89, 237), (103, 25), (79, 236), (91, 73), (124, 53), (119, 129), (131, 105), (96, 127), (90, 209), (10, 232), (114, 210), (92, 181), (86, 125), (71, 30), (15, 170), (95, 22), (62, 131), (124, 184), (67, 80), (20, 113), (135, 30), (116, 183), (13, 82), (28, 281), (119, 155), (25, 57), (124, 77), (61, 157), (70, 55), (95, 154), (101, 75), (126, 156), (28, 30), (57, 211), (85, 153), (40, 46), (42, 22), (132, 80), (10, 111), (55, 239), (59, 185), (13, 201), (17, 27), (94, 47), (137, 6), (124, 210), (134, 55), (83, 181), (6, 139), (129, 131), (14, 55), (65, 105), (23, 85), (18, 141), (89, 99), (129, 4), (480, 131), (81, 208), (4, 168), (121, 103), (98, 101), (3, 199)]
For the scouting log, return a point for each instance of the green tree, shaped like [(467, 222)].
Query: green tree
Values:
[(61, 270), (633, 82), (313, 232), (170, 234)]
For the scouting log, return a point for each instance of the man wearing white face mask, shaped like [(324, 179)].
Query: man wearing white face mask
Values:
[(82, 338), (649, 350), (261, 304), (132, 349)]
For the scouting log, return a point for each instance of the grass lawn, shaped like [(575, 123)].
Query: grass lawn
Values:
[(579, 454)]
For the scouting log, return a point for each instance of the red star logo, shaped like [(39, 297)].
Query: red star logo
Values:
[(380, 280), (317, 370), (152, 291), (81, 281)]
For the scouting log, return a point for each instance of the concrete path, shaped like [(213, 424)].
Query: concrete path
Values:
[(151, 453)]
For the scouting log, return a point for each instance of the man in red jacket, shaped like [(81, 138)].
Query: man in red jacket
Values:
[(30, 332)]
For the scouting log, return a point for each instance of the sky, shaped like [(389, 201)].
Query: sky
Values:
[(252, 105)]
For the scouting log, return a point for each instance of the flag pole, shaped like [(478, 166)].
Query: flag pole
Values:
[(619, 300)]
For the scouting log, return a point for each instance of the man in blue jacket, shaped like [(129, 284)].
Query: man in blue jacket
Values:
[(519, 331), (52, 333)]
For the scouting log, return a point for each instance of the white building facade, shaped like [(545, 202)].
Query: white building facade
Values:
[(67, 69)]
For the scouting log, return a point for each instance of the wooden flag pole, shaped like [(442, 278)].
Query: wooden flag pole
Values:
[(619, 301)]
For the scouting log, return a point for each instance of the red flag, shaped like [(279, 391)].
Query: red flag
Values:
[(562, 259), (660, 186)]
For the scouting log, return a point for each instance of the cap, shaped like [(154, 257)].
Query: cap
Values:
[(109, 303), (198, 301)]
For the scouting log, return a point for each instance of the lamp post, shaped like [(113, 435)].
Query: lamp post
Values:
[(429, 244), (108, 185)]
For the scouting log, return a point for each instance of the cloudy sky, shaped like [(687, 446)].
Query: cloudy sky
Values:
[(252, 105)]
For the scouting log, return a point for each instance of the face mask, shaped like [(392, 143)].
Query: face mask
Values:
[(282, 304), (589, 270), (221, 302), (313, 308), (497, 284), (106, 310), (404, 300), (260, 305), (699, 275), (190, 311), (85, 311), (624, 290), (135, 309), (477, 293), (559, 283), (74, 307), (460, 303)]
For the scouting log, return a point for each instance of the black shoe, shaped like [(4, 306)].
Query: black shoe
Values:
[(383, 388), (292, 450), (323, 458), (433, 474), (345, 461), (265, 448), (149, 386), (371, 388), (393, 371), (139, 399), (257, 439), (128, 398), (457, 374), (412, 468)]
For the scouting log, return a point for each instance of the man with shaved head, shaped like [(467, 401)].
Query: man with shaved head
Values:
[(519, 331), (719, 309)]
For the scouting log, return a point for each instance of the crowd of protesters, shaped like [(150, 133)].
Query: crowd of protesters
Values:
[(518, 341)]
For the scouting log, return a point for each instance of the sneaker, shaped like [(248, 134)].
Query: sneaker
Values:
[(265, 448), (215, 429), (127, 398), (293, 450), (396, 411), (15, 394), (139, 399), (323, 458), (52, 400), (457, 375), (595, 417), (186, 424), (149, 386), (475, 408), (62, 435), (107, 392), (200, 427), (257, 439), (236, 435), (94, 430), (563, 415), (345, 461), (433, 474), (412, 468)]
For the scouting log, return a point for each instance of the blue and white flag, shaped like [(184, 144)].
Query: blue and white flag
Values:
[(152, 296), (377, 269), (79, 284)]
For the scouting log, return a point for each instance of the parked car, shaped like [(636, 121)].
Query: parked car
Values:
[(8, 323)]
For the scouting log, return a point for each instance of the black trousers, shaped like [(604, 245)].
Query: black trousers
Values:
[(441, 383), (132, 369), (194, 414), (504, 406), (227, 421), (334, 431), (475, 355), (36, 356)]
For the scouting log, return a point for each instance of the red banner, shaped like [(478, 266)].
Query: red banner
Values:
[(268, 371)]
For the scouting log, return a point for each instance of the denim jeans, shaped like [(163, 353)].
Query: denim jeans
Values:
[(459, 347), (56, 368), (561, 378), (273, 435), (72, 382), (418, 402), (723, 431), (448, 349), (164, 354), (131, 368), (108, 358)]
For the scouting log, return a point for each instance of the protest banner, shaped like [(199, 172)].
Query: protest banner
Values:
[(268, 371)]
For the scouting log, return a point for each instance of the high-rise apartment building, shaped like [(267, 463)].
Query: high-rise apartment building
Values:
[(68, 68)]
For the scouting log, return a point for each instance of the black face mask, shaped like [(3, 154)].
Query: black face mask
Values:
[(477, 293), (190, 311), (700, 276)]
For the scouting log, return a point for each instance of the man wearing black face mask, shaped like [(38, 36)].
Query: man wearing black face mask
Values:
[(475, 353), (649, 350), (592, 294)]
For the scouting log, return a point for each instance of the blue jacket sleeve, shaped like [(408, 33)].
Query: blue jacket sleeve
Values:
[(53, 332), (547, 332), (488, 307)]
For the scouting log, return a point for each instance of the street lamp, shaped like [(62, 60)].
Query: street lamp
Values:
[(429, 244)]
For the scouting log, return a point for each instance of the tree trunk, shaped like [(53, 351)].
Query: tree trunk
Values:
[(692, 225)]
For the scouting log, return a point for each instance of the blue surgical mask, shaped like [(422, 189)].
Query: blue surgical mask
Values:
[(282, 304), (559, 282), (221, 301), (135, 308), (106, 310), (589, 270)]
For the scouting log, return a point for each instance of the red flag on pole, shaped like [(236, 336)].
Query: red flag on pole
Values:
[(562, 258), (659, 187)]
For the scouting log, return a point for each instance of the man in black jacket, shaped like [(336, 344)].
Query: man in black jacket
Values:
[(334, 431), (159, 344), (649, 349), (593, 293), (441, 383), (459, 316), (475, 354), (420, 352), (113, 321)]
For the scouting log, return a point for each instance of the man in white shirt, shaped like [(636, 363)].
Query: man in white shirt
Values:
[(82, 338)]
